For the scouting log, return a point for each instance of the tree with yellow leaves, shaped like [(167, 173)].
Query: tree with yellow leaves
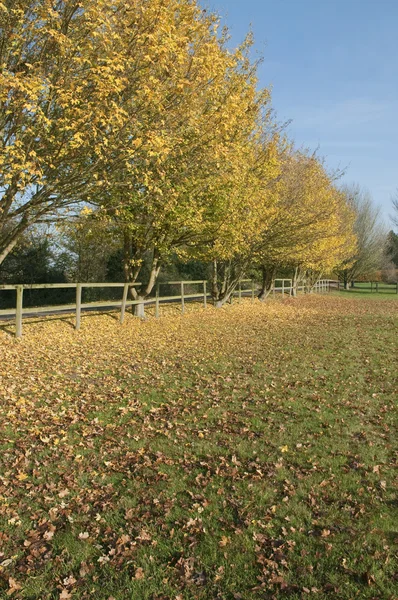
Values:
[(61, 84), (139, 109), (250, 205), (183, 185), (310, 230)]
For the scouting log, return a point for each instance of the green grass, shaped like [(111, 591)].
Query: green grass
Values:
[(363, 290), (247, 453)]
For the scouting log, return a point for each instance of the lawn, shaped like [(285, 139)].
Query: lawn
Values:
[(361, 290), (240, 454)]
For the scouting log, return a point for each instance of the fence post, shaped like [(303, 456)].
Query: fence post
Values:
[(18, 313), (78, 305), (283, 288), (273, 289), (182, 298), (240, 291), (371, 286), (377, 286), (124, 300), (157, 302), (252, 290), (205, 294)]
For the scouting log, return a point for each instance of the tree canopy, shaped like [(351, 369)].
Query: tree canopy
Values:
[(137, 115)]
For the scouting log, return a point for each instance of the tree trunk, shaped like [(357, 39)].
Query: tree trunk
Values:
[(311, 277), (231, 275), (295, 282), (346, 281), (8, 240), (266, 284), (5, 251), (215, 291), (297, 277), (139, 309), (220, 303), (132, 271)]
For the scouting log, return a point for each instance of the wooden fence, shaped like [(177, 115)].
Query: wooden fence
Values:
[(19, 311), (375, 286)]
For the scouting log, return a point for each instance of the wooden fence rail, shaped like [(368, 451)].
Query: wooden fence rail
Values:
[(376, 286), (372, 286), (286, 287)]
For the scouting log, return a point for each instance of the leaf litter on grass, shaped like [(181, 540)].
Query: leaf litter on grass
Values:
[(247, 453)]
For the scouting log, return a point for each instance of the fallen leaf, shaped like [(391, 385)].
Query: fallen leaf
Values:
[(139, 573)]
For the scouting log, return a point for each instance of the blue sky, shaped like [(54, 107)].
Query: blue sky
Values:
[(333, 68)]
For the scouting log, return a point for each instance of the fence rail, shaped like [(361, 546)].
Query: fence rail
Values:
[(373, 286), (19, 311)]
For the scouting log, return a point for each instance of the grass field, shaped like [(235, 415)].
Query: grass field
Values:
[(245, 453), (361, 290)]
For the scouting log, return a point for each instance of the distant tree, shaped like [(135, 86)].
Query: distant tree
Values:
[(371, 237), (87, 245), (390, 261), (395, 208), (33, 260), (310, 229), (392, 247)]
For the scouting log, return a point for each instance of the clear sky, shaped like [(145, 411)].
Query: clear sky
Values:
[(333, 67)]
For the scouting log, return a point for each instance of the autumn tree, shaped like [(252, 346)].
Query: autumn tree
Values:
[(62, 107), (232, 249), (310, 228), (200, 110), (371, 237)]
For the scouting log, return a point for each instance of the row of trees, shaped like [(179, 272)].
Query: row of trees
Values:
[(131, 126)]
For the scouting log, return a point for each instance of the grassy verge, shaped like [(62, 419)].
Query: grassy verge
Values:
[(363, 293), (245, 453)]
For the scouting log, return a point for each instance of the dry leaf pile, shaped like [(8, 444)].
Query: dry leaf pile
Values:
[(242, 453)]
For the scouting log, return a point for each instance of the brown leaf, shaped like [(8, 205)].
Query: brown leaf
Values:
[(139, 573), (13, 585)]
